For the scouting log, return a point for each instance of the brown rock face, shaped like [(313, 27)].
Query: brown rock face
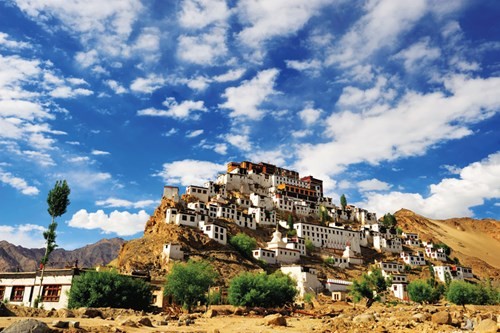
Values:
[(442, 318)]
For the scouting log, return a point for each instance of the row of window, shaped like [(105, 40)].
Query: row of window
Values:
[(50, 293)]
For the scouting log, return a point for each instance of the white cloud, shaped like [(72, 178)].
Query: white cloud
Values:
[(190, 172), (244, 101), (451, 197), (240, 141), (85, 179), (466, 101), (12, 44), (309, 115), (79, 159), (194, 134), (120, 223), (383, 22), (301, 134), (276, 156), (373, 185), (418, 55), (122, 203), (99, 152), (197, 14), (356, 98), (264, 20), (101, 26), (183, 110), (203, 49), (18, 183), (199, 83), (26, 235), (231, 75), (220, 148), (171, 132), (313, 66), (148, 43), (43, 159), (116, 87), (147, 84)]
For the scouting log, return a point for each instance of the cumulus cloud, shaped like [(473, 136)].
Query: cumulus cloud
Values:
[(205, 48), (244, 100), (11, 44), (18, 183), (309, 115), (147, 84), (27, 235), (116, 87), (198, 14), (451, 197), (231, 75), (194, 134), (418, 55), (190, 172), (264, 20), (100, 152), (183, 110), (120, 223), (122, 203), (466, 102), (373, 185)]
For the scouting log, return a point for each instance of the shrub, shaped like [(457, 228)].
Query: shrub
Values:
[(214, 297), (244, 244), (188, 282), (249, 289), (308, 298), (461, 293), (108, 289), (421, 291), (309, 246), (369, 286)]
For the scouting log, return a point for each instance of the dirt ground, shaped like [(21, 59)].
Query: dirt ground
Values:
[(329, 318)]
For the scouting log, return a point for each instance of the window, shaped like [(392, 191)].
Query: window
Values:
[(51, 293), (17, 294), (2, 293)]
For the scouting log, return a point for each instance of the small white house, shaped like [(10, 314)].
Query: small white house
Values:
[(390, 267), (307, 280), (269, 256), (414, 259), (400, 290), (441, 272), (199, 192), (283, 254), (384, 244), (462, 272), (437, 254), (337, 285), (171, 192), (263, 216), (23, 287), (214, 231), (172, 251)]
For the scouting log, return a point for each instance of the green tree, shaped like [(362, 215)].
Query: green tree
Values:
[(370, 286), (290, 221), (446, 248), (309, 246), (343, 201), (421, 291), (461, 293), (261, 289), (58, 202), (109, 289), (323, 215), (188, 282), (244, 244), (389, 221)]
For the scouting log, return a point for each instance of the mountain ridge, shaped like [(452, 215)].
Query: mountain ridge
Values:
[(19, 258)]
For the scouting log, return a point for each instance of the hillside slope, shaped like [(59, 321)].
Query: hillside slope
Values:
[(14, 257), (475, 243)]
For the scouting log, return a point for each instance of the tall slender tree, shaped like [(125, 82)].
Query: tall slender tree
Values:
[(58, 202), (343, 201)]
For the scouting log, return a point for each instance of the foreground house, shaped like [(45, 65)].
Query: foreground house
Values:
[(22, 288)]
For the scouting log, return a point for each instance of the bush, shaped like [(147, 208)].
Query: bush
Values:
[(309, 246), (244, 244), (188, 282), (369, 286), (461, 293), (421, 291), (108, 289), (274, 290)]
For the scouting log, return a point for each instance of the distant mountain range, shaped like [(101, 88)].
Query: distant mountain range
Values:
[(17, 258)]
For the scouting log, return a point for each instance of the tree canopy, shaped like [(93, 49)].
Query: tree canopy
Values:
[(261, 289), (189, 282), (244, 244), (108, 289), (389, 221), (369, 286), (343, 201), (421, 291)]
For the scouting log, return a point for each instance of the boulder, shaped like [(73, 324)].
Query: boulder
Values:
[(210, 313), (487, 326), (91, 313), (129, 323), (275, 320), (421, 317), (65, 313), (60, 324), (145, 321), (442, 318), (27, 325), (4, 311), (364, 318)]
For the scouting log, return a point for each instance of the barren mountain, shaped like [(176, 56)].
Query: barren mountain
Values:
[(14, 257), (476, 243)]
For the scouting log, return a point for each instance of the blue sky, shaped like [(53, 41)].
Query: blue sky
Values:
[(394, 103)]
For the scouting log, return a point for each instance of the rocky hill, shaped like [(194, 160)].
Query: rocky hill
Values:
[(474, 243), (14, 257)]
